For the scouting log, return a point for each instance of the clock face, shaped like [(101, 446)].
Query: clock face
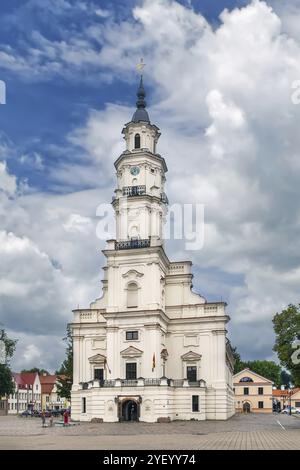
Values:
[(134, 170)]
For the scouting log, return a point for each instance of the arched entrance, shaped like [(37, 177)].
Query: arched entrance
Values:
[(246, 407), (130, 410)]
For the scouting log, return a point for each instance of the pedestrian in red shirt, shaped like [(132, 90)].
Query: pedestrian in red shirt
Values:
[(66, 418)]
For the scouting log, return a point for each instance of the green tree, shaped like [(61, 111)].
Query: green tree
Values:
[(268, 369), (287, 330), (36, 369), (6, 382), (8, 347), (286, 379), (65, 373), (238, 363)]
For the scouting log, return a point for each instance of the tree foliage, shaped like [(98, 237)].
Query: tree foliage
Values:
[(65, 373), (286, 379), (287, 343), (8, 349), (6, 382), (36, 369), (9, 345)]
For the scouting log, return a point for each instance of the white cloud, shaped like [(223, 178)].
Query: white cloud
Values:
[(7, 181), (34, 160)]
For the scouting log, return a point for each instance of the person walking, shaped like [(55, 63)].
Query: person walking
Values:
[(51, 421), (43, 416), (66, 418)]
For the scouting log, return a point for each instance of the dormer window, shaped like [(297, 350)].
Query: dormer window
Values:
[(137, 141)]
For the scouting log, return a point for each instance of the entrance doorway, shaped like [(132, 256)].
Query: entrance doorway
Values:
[(130, 410), (246, 407)]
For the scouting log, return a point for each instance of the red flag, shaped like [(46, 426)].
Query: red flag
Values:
[(153, 362), (106, 365)]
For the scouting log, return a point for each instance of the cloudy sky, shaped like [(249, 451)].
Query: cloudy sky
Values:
[(219, 81)]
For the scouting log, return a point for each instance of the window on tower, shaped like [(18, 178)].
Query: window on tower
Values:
[(137, 141), (132, 295)]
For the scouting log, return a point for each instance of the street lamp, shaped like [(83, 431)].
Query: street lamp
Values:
[(290, 400)]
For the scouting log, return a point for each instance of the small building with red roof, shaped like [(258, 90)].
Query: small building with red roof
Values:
[(27, 394)]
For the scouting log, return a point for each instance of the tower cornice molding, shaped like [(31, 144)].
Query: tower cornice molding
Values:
[(141, 153)]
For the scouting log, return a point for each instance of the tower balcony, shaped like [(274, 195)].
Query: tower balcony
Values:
[(132, 191), (132, 244)]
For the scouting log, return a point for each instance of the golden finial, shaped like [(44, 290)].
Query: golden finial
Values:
[(140, 66)]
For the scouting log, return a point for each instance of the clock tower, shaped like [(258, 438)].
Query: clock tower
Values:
[(140, 201)]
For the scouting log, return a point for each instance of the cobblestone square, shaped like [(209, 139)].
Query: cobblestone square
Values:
[(254, 431)]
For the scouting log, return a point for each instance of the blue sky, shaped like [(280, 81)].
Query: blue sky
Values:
[(47, 109), (218, 85)]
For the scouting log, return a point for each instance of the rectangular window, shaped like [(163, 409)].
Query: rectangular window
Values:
[(98, 374), (83, 410), (246, 391), (191, 373), (195, 403), (132, 335), (130, 370), (260, 390), (260, 404), (297, 404)]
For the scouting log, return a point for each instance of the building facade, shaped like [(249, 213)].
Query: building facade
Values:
[(27, 394), (50, 397), (150, 348), (285, 398), (253, 393), (295, 398)]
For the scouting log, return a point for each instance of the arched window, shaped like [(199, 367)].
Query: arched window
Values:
[(137, 141), (132, 294), (246, 379)]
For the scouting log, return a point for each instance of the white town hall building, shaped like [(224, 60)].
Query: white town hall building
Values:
[(149, 349)]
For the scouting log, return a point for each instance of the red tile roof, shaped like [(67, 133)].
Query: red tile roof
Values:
[(280, 393), (24, 378), (47, 383), (284, 393), (28, 377)]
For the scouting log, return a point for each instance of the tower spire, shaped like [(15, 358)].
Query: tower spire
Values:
[(141, 113)]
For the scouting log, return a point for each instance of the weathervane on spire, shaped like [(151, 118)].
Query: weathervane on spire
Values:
[(140, 66)]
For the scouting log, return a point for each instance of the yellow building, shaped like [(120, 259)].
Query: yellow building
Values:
[(253, 393), (295, 398), (50, 398)]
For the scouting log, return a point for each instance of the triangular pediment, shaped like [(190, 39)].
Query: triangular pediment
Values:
[(131, 351), (191, 356), (97, 359)]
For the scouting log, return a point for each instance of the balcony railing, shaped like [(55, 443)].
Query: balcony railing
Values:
[(131, 191), (177, 383), (131, 244), (107, 383), (141, 382), (150, 382), (129, 383)]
